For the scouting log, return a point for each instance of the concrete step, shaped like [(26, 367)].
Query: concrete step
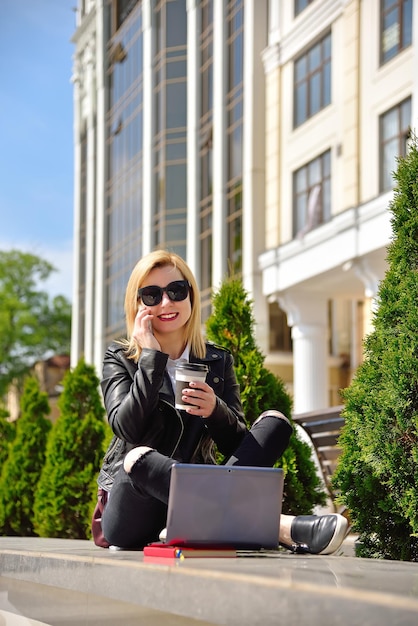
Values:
[(253, 589)]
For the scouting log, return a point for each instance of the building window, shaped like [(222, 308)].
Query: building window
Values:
[(395, 27), (234, 112), (300, 5), (394, 134), (312, 194), (122, 8), (312, 80), (169, 220)]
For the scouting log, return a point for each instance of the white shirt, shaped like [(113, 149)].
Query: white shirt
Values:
[(172, 364)]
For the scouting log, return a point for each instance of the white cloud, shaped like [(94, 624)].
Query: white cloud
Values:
[(60, 255)]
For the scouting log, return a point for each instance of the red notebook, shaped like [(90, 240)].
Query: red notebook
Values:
[(163, 550)]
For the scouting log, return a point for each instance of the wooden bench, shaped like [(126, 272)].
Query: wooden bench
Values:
[(323, 428)]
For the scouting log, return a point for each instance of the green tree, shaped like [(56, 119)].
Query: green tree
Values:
[(232, 326), (378, 469), (67, 486), (22, 468), (31, 325), (7, 434)]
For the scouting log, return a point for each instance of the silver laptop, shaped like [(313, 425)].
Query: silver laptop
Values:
[(224, 505)]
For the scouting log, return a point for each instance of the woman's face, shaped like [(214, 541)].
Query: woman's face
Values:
[(169, 316)]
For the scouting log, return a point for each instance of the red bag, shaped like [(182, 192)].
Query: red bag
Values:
[(96, 522)]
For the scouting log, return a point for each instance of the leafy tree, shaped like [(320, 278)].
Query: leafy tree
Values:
[(31, 326), (22, 468), (232, 326), (67, 486), (378, 469)]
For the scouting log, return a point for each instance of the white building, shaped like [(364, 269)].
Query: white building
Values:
[(253, 133)]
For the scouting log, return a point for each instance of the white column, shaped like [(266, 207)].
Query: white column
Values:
[(219, 156), (90, 208), (147, 125), (75, 318), (307, 315), (193, 161), (99, 299), (253, 244), (310, 384)]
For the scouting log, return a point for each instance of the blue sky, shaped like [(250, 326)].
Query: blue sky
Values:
[(36, 130)]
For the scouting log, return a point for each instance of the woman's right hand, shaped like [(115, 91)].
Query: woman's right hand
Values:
[(143, 331)]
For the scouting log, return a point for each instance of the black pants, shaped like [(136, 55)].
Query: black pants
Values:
[(136, 511)]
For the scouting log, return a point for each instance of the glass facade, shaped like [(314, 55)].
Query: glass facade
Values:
[(234, 106), (81, 284), (170, 139), (123, 197), (205, 151)]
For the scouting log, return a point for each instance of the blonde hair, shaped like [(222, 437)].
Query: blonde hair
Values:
[(193, 331)]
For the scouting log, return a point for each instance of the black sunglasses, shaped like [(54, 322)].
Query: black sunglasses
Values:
[(177, 291)]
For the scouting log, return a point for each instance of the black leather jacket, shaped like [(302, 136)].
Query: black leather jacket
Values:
[(139, 401)]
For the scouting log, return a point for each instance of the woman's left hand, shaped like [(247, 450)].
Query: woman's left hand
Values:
[(202, 396)]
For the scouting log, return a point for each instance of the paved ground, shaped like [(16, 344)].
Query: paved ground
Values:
[(63, 583)]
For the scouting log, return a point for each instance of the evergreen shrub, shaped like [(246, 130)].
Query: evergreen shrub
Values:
[(22, 467), (377, 472), (67, 487), (7, 434)]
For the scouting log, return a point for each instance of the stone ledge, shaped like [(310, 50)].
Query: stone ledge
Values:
[(250, 590)]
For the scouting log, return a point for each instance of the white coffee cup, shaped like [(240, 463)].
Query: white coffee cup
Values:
[(185, 374)]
